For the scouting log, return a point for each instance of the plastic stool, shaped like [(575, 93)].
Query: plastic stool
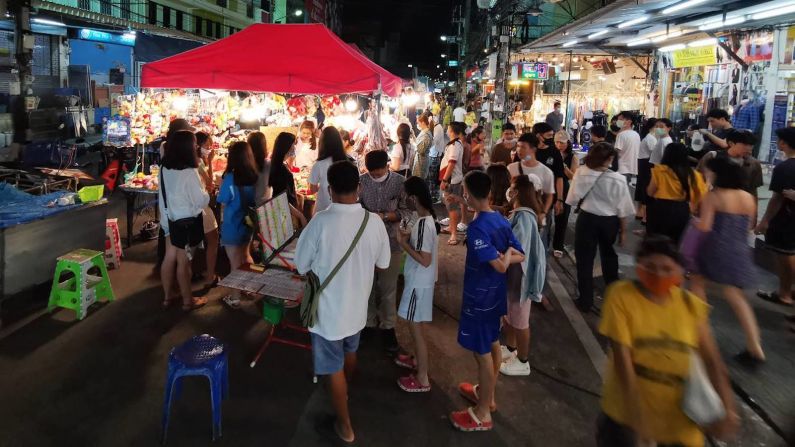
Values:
[(82, 289), (202, 355), (113, 252)]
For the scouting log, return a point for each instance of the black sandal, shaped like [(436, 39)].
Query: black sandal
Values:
[(746, 359), (773, 297)]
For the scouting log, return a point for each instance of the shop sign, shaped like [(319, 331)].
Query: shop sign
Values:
[(694, 57), (535, 70), (452, 63), (102, 36)]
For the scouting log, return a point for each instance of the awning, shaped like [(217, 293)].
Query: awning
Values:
[(293, 58)]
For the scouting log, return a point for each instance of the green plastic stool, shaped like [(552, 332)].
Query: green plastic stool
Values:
[(272, 311), (82, 289)]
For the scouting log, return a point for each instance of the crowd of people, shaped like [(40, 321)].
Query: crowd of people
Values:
[(510, 205)]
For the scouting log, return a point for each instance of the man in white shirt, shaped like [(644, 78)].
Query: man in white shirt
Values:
[(459, 113), (342, 304), (627, 145), (529, 164)]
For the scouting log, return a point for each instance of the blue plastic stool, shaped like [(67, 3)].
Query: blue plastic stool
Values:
[(202, 355)]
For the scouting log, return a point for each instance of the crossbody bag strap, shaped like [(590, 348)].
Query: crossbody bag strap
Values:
[(579, 204), (162, 187), (348, 253)]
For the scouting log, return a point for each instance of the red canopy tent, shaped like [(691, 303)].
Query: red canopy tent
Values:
[(294, 59)]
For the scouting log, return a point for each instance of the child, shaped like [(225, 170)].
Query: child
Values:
[(525, 280), (491, 248), (416, 305)]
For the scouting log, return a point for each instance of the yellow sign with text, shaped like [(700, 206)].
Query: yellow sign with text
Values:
[(694, 57)]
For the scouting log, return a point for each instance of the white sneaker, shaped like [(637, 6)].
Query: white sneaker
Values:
[(506, 354), (462, 227), (513, 367), (445, 222)]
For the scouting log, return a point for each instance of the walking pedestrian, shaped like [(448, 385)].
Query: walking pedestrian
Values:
[(627, 145), (647, 143), (424, 143), (778, 223), (382, 193), (548, 154), (525, 281), (182, 198), (330, 150), (726, 215), (342, 305), (676, 190), (530, 164), (420, 243), (570, 165), (452, 177), (491, 248), (656, 329), (601, 197), (500, 182), (504, 149), (555, 118), (259, 147)]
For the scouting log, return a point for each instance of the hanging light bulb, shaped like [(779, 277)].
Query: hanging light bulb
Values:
[(351, 105)]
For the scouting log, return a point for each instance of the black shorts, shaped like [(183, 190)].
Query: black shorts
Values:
[(187, 233), (780, 235)]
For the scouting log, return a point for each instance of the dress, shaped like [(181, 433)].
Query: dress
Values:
[(726, 257)]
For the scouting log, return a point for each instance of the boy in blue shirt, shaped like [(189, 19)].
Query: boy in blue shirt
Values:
[(491, 248)]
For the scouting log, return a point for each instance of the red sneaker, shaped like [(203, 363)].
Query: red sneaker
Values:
[(406, 361), (467, 421), (410, 384)]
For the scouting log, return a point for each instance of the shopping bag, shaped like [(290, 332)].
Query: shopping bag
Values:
[(700, 401)]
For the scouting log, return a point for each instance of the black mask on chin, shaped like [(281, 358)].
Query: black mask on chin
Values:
[(549, 142)]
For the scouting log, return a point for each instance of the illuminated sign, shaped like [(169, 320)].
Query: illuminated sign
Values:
[(452, 63), (535, 70), (694, 57), (102, 36)]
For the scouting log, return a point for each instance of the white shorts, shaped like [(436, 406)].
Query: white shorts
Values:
[(208, 220), (416, 305)]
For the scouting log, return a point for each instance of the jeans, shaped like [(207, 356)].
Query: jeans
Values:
[(546, 231), (382, 307), (592, 232), (561, 225)]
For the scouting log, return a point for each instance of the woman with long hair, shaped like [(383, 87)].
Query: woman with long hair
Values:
[(305, 152), (424, 143), (726, 214), (656, 329), (402, 153), (206, 154), (280, 178), (237, 196), (677, 190), (602, 198), (647, 144), (420, 242), (331, 149), (500, 182), (476, 140), (259, 148), (525, 281), (570, 165), (182, 198)]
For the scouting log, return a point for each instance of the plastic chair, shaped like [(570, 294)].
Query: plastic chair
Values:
[(202, 355), (113, 252)]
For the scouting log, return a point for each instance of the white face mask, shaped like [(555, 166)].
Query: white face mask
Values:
[(620, 124), (380, 179), (660, 131), (205, 152), (528, 157), (508, 195)]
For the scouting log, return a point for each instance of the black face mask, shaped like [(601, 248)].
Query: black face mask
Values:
[(614, 128), (549, 142)]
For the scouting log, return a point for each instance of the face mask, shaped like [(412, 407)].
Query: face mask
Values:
[(660, 132), (380, 179), (615, 128), (205, 152), (549, 142), (737, 160), (528, 157), (620, 124), (656, 284), (509, 196)]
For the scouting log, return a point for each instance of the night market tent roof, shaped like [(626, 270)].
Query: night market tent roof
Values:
[(291, 58)]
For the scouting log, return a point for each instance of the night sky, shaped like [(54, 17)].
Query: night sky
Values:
[(420, 23)]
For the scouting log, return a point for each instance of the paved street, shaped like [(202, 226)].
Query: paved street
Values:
[(100, 381)]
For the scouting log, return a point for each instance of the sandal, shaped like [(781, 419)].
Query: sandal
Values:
[(773, 297), (445, 230), (467, 421), (406, 361), (410, 384), (748, 360), (195, 303), (470, 392), (452, 242)]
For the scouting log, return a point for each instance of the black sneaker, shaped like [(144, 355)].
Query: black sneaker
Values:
[(390, 340)]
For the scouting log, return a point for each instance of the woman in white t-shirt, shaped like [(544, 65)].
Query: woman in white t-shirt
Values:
[(420, 243), (402, 153), (330, 150), (662, 131), (305, 147), (647, 144)]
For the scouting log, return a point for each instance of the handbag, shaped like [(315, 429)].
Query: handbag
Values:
[(314, 287), (700, 402), (692, 241), (582, 200), (192, 227)]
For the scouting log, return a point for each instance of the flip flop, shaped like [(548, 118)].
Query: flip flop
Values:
[(467, 421), (773, 297), (452, 242), (195, 304), (470, 393), (746, 359)]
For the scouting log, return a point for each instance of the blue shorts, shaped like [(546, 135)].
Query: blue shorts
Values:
[(329, 356), (478, 335)]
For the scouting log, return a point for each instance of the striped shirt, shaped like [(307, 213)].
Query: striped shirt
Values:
[(384, 197)]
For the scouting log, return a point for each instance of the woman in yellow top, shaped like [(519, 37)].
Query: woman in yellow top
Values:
[(653, 326), (676, 190)]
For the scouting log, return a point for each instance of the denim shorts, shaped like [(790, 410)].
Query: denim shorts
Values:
[(329, 356)]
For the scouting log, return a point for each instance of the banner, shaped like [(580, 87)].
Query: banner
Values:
[(694, 57)]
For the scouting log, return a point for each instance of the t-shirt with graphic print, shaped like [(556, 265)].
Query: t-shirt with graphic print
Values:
[(485, 293)]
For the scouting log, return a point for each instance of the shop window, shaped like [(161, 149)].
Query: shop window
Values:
[(152, 13), (198, 26), (218, 30), (166, 16), (84, 4), (250, 9)]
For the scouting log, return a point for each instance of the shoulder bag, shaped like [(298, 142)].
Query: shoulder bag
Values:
[(582, 200), (313, 287), (192, 227)]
